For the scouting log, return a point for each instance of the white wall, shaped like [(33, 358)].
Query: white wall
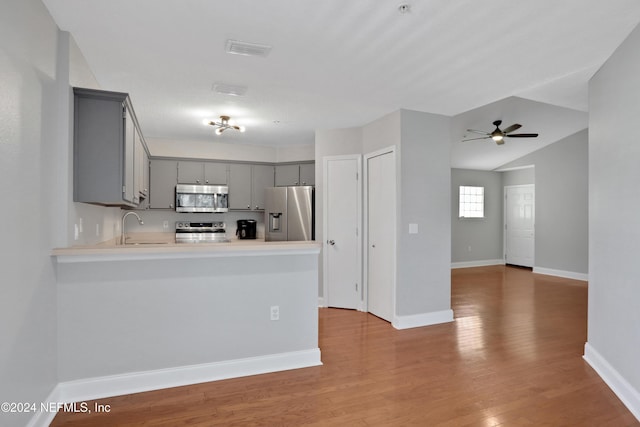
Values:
[(613, 346), (161, 147), (29, 141)]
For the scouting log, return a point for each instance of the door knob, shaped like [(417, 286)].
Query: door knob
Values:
[(373, 246), (331, 242)]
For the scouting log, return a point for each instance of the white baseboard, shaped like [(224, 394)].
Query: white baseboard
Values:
[(321, 302), (621, 387), (561, 273), (479, 263), (422, 319), (136, 382), (43, 419)]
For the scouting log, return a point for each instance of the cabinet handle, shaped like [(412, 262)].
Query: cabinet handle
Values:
[(248, 206), (206, 182), (304, 183), (257, 207), (171, 206), (198, 181)]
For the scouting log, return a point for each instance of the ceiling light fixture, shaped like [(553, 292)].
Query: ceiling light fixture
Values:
[(224, 124)]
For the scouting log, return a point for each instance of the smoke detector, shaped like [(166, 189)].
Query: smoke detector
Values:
[(404, 8)]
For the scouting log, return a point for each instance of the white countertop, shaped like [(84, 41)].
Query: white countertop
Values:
[(154, 246)]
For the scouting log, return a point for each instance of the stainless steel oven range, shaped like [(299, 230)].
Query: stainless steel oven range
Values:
[(200, 232)]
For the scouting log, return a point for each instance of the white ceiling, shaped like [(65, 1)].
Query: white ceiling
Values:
[(337, 63)]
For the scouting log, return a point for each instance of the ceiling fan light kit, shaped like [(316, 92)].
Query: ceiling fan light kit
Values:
[(224, 124), (499, 135)]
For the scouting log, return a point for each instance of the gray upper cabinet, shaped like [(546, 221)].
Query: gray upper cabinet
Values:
[(246, 185), (192, 172), (295, 174), (240, 187), (163, 180), (307, 174), (262, 177), (104, 149), (287, 175), (215, 173)]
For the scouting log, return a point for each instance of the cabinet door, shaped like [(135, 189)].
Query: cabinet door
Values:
[(138, 166), (287, 175), (215, 173), (262, 177), (239, 187), (190, 172), (128, 180), (308, 174), (163, 180)]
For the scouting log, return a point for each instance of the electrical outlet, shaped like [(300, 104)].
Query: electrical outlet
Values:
[(275, 312), (165, 225)]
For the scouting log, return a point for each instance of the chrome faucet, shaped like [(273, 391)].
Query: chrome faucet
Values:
[(122, 236)]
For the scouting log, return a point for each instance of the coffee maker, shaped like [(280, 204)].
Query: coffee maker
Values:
[(246, 229)]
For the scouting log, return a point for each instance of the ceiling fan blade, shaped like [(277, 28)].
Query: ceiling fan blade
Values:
[(481, 132), (523, 135), (473, 139), (512, 128)]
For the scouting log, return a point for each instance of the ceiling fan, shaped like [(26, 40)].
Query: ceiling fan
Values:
[(499, 135)]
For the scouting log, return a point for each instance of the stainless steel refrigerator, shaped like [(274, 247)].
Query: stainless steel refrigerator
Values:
[(289, 213)]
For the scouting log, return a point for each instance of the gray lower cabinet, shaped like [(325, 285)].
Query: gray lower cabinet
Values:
[(295, 174), (246, 185), (162, 186), (194, 172), (104, 149)]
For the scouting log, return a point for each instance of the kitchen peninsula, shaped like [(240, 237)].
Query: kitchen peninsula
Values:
[(149, 316)]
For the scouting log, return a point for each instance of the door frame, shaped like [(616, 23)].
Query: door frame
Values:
[(504, 221), (359, 233), (392, 222)]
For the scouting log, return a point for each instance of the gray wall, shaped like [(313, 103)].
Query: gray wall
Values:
[(424, 259), (474, 240), (29, 92), (614, 219), (561, 180), (523, 176)]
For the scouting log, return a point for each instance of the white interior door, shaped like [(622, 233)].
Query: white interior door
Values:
[(519, 225), (342, 243), (381, 234)]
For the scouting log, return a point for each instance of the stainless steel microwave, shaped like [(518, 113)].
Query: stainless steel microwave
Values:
[(202, 198)]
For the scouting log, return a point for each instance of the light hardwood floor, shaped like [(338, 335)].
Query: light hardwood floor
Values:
[(513, 357)]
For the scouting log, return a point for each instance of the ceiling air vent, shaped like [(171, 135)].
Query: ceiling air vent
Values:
[(229, 89), (248, 49)]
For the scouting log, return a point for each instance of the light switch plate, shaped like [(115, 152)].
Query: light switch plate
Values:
[(413, 228)]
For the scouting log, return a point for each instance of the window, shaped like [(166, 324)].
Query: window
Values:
[(471, 202)]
